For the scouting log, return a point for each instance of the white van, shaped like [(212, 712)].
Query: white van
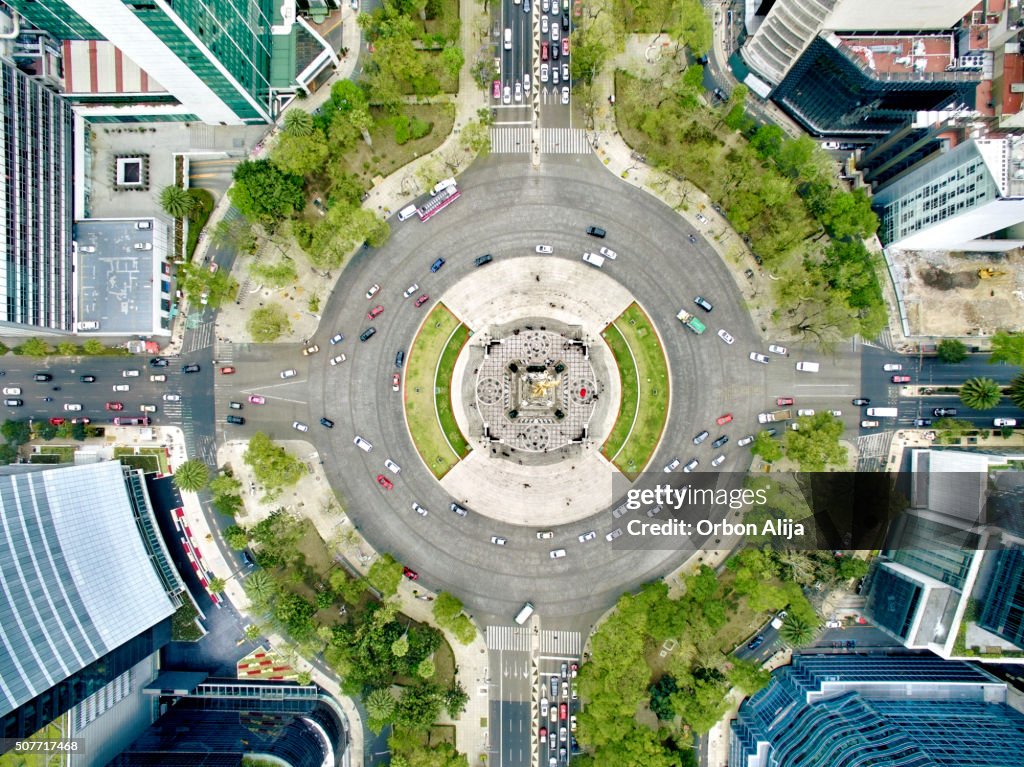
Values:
[(89, 325), (808, 367), (508, 39), (593, 259), (407, 212), (362, 444), (524, 614)]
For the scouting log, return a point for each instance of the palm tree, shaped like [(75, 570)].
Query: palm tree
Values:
[(176, 202), (192, 476), (380, 705), (980, 393), (796, 631), (217, 585), (1017, 390), (298, 123), (260, 587)]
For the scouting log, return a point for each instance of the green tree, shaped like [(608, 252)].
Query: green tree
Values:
[(34, 347), (93, 347), (16, 432), (951, 429), (748, 676), (419, 706), (236, 537), (385, 574), (46, 430), (1008, 348), (455, 700), (661, 697), (426, 668), (1017, 390), (796, 631), (271, 464), (176, 202), (298, 122), (951, 350), (192, 476), (980, 393), (67, 349), (252, 632), (452, 60), (815, 446), (380, 705), (274, 274), (300, 155), (260, 587), (464, 629), (767, 447), (8, 454), (237, 233), (268, 323), (216, 585), (446, 609), (400, 647), (263, 192)]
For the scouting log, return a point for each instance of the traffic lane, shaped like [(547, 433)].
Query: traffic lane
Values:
[(934, 371), (923, 407), (510, 705)]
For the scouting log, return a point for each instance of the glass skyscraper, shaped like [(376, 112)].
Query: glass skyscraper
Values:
[(878, 711)]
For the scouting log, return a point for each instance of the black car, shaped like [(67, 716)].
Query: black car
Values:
[(87, 379), (237, 420), (190, 368), (771, 432), (720, 441), (703, 303), (42, 377), (756, 642), (327, 422), (922, 422), (944, 412), (555, 52), (861, 402), (565, 21), (596, 231), (399, 359), (159, 362), (367, 334), (247, 558), (481, 260)]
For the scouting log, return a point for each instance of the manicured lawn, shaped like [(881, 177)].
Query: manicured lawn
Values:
[(644, 380), (425, 399), (64, 453), (145, 458), (183, 625)]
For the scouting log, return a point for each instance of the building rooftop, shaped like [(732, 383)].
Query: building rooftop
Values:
[(99, 67), (901, 54), (77, 578)]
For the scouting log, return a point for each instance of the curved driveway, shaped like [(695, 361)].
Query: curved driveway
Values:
[(506, 209)]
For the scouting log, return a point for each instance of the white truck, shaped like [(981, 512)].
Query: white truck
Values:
[(594, 259), (883, 412)]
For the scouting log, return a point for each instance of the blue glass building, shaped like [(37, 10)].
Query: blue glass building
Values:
[(878, 711)]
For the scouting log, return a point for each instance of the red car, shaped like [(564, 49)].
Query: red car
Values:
[(374, 312), (412, 575), (723, 419), (784, 401), (901, 379), (542, 733), (384, 482), (227, 370), (496, 92), (257, 399), (563, 710), (422, 300), (56, 421), (565, 46), (115, 406), (544, 50), (396, 382)]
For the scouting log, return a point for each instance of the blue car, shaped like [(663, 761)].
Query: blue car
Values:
[(756, 642), (437, 265)]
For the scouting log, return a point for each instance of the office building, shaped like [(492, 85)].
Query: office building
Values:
[(970, 198), (220, 62), (89, 589), (780, 31), (221, 721), (36, 207), (1003, 611), (828, 710)]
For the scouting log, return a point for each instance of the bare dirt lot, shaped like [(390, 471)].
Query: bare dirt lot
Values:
[(961, 294)]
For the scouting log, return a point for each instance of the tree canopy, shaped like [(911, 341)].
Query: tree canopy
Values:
[(272, 465), (265, 193)]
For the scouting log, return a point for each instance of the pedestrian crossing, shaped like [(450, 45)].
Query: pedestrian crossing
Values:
[(510, 140), (519, 140), (515, 638), (564, 141), (873, 450), (561, 643), (200, 337)]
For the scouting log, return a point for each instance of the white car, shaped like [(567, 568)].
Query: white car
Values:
[(545, 534), (554, 33), (362, 444), (147, 408), (172, 398), (122, 387), (565, 72), (506, 95), (702, 218), (544, 24), (519, 92), (744, 441), (613, 534), (724, 335), (290, 373), (587, 536), (803, 412), (544, 6), (557, 553), (1004, 421), (693, 464), (372, 291), (419, 509), (338, 360), (565, 94), (158, 378), (129, 374), (299, 426), (672, 465), (12, 391), (778, 350), (762, 358), (891, 367), (608, 253), (835, 413), (719, 460), (527, 85), (497, 540), (410, 290), (545, 249), (72, 406), (544, 73), (391, 465), (554, 74)]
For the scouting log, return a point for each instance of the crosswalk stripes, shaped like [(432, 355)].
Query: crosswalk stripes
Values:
[(508, 638), (510, 140), (199, 338), (564, 141), (873, 451), (560, 643)]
